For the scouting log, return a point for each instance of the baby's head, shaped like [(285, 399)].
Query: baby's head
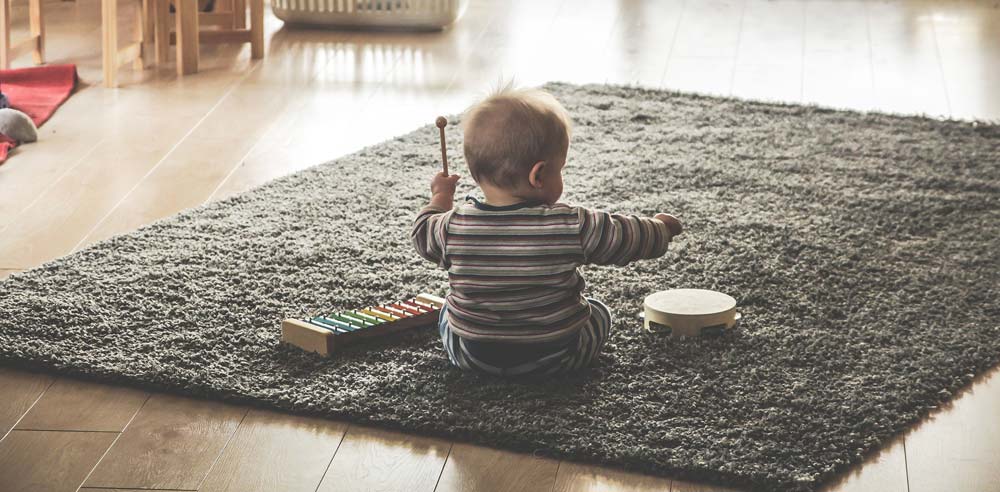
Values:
[(516, 141)]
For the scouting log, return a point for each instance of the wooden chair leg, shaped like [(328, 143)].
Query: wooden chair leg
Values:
[(187, 36), (142, 35), (161, 14), (240, 8), (4, 34), (148, 41), (37, 26), (109, 41), (256, 29), (35, 43)]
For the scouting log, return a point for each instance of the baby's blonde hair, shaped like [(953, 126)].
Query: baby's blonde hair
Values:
[(511, 130)]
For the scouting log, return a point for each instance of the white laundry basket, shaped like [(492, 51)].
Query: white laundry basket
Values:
[(392, 14)]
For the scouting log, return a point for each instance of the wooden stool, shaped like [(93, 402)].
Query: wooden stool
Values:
[(229, 16), (136, 52), (35, 42)]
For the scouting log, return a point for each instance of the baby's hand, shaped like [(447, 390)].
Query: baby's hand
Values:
[(672, 223), (444, 184)]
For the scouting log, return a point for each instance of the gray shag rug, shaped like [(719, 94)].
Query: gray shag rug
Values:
[(862, 248)]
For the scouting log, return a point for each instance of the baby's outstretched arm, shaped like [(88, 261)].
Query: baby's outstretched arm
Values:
[(428, 228), (615, 239), (672, 223)]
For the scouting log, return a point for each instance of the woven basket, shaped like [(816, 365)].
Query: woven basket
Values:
[(383, 14)]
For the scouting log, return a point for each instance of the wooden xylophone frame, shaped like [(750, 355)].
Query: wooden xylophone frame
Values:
[(325, 334)]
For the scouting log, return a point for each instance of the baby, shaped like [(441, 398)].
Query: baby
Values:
[(516, 305)]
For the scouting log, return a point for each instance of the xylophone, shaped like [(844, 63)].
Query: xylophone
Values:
[(324, 334)]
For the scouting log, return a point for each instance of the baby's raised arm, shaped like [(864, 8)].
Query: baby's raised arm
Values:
[(615, 239), (427, 233)]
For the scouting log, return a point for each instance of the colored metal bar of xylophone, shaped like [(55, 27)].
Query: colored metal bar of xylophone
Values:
[(324, 334)]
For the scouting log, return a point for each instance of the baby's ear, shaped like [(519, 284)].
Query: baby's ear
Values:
[(535, 176)]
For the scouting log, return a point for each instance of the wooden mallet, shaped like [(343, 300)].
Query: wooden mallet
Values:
[(442, 122)]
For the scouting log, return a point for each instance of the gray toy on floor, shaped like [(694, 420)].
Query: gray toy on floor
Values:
[(17, 125)]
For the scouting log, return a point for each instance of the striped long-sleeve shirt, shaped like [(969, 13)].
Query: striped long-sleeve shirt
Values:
[(513, 269)]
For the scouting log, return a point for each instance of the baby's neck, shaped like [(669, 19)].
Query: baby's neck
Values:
[(498, 197)]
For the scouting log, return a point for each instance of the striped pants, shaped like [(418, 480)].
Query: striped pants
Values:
[(576, 355)]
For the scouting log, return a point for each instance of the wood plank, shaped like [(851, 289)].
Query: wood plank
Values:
[(685, 486), (884, 471), (334, 123), (273, 451), (294, 142), (211, 150), (723, 19), (53, 225), (700, 74), (71, 404), (958, 449), (298, 63), (837, 66), (43, 461), (649, 24), (170, 444), (215, 145), (768, 82), (965, 36), (379, 460), (574, 477), (20, 391), (769, 55), (63, 144), (475, 468), (906, 67), (772, 33)]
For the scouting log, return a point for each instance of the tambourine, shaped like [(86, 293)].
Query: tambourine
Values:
[(690, 312)]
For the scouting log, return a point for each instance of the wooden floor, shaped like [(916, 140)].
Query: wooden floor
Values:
[(113, 160)]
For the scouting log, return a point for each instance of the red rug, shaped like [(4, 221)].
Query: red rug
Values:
[(6, 143), (36, 91)]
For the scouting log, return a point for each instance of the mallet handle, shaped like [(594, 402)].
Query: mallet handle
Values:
[(441, 123)]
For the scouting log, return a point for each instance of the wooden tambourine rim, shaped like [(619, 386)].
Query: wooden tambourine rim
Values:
[(730, 319), (730, 301)]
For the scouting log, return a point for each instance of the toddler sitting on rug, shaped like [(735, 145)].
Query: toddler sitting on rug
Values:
[(515, 306)]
